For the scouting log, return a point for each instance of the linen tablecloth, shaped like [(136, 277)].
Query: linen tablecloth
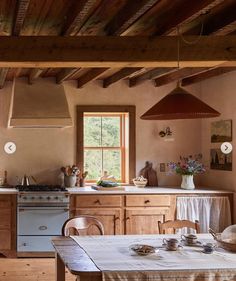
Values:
[(112, 255)]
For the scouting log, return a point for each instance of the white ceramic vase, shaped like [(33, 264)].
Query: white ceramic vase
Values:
[(69, 181), (187, 182)]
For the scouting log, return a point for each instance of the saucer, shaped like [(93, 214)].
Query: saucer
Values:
[(143, 250), (198, 243)]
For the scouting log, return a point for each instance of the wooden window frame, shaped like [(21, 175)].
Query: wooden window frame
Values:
[(130, 109)]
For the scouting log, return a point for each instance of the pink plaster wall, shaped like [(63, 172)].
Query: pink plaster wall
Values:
[(41, 152)]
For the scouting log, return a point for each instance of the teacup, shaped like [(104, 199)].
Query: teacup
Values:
[(189, 239), (171, 244), (208, 248)]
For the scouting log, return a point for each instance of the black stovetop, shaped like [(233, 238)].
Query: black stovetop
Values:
[(40, 187)]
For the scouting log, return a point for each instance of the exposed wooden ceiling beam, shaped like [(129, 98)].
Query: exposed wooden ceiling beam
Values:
[(34, 74), (78, 15), (176, 75), (65, 73), (3, 75), (121, 74), (114, 51), (151, 74), (128, 15), (90, 76), (22, 7), (190, 16), (177, 15), (206, 75), (216, 22)]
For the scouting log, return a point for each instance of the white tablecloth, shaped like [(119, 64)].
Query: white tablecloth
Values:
[(112, 256)]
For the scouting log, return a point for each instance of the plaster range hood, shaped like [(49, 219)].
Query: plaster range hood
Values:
[(41, 105)]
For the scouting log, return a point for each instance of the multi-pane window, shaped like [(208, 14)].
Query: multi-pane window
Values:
[(105, 144)]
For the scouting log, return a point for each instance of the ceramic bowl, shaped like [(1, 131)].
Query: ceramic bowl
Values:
[(143, 250), (142, 183)]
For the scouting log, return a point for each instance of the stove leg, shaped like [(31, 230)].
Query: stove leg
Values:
[(60, 269)]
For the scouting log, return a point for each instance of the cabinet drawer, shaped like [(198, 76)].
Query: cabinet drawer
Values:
[(148, 200), (98, 201)]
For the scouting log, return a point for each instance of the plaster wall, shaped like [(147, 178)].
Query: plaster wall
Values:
[(41, 152)]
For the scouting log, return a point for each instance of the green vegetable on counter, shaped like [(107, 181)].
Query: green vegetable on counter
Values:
[(106, 183)]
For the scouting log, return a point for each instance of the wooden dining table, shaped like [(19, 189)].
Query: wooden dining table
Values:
[(75, 257)]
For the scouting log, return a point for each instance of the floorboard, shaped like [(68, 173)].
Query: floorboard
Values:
[(34, 269)]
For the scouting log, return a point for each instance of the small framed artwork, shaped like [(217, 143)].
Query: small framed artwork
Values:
[(221, 161), (221, 131)]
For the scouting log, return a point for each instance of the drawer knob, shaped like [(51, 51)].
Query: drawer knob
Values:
[(97, 202), (147, 201)]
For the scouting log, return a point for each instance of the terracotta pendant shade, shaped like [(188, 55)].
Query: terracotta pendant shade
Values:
[(179, 104)]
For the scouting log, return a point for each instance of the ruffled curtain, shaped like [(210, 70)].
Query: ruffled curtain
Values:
[(213, 212)]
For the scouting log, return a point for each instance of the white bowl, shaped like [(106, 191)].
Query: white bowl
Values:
[(140, 183)]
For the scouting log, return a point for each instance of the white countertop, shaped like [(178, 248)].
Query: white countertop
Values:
[(8, 190), (145, 190), (131, 190)]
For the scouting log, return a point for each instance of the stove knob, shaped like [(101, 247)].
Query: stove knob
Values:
[(56, 198), (40, 197), (48, 197), (25, 198), (32, 197)]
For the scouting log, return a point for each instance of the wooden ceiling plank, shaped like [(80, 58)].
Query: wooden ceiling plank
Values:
[(181, 16), (128, 15), (34, 74), (3, 75), (22, 7), (121, 74), (65, 74), (90, 76), (176, 75), (151, 74), (216, 21), (195, 14), (114, 51), (206, 75), (78, 15)]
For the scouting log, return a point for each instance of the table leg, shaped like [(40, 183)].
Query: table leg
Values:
[(60, 269)]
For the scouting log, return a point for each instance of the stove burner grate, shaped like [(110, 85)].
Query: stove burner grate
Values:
[(39, 187)]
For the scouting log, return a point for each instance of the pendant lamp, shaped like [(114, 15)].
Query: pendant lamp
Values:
[(179, 104)]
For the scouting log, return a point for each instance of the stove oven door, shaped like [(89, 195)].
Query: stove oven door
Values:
[(37, 226)]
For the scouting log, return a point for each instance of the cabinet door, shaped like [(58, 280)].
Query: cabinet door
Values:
[(145, 221), (110, 218)]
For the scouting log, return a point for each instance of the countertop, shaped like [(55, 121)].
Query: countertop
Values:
[(131, 190), (146, 190)]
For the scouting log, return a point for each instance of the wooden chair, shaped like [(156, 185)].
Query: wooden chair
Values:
[(82, 225), (176, 224)]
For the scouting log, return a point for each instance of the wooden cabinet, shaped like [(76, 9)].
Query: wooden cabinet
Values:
[(126, 214), (8, 224), (145, 221), (106, 208), (111, 218)]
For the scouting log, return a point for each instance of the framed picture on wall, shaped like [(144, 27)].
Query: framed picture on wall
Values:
[(221, 131), (221, 161)]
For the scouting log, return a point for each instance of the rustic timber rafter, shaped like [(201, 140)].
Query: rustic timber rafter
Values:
[(151, 74), (176, 75), (78, 16), (128, 15), (65, 74), (3, 75), (121, 74), (114, 51), (34, 74), (90, 76), (206, 75), (22, 7)]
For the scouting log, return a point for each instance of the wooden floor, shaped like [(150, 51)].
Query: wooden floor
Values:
[(34, 269)]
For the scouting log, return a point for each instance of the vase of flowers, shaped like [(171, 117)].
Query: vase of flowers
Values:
[(187, 167)]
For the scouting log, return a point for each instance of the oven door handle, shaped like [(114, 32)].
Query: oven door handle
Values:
[(43, 209)]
